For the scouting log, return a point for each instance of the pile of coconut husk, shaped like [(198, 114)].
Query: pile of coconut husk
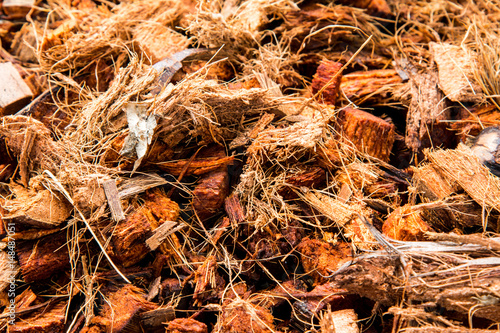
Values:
[(248, 166)]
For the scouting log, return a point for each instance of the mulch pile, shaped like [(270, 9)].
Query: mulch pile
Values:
[(248, 166)]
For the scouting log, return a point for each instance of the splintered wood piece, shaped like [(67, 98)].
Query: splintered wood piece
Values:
[(196, 167), (14, 92), (162, 232), (17, 8), (139, 184), (122, 310), (373, 86), (29, 138), (210, 193), (427, 107), (25, 299), (186, 325), (321, 259), (370, 134), (326, 81), (344, 193), (43, 258), (115, 205), (405, 224), (234, 210), (154, 320), (209, 283)]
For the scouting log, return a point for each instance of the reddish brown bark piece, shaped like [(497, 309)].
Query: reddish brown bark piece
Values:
[(234, 209), (211, 191), (15, 92), (327, 80), (405, 224), (121, 311), (371, 85), (169, 288), (25, 299), (43, 258), (321, 259), (327, 294), (128, 241), (162, 208), (196, 167), (370, 134), (315, 17), (219, 71), (310, 178), (186, 325), (49, 319)]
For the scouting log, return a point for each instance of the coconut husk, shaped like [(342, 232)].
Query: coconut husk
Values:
[(462, 167)]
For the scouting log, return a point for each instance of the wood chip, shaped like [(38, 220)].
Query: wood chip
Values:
[(14, 92), (162, 232), (114, 202)]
